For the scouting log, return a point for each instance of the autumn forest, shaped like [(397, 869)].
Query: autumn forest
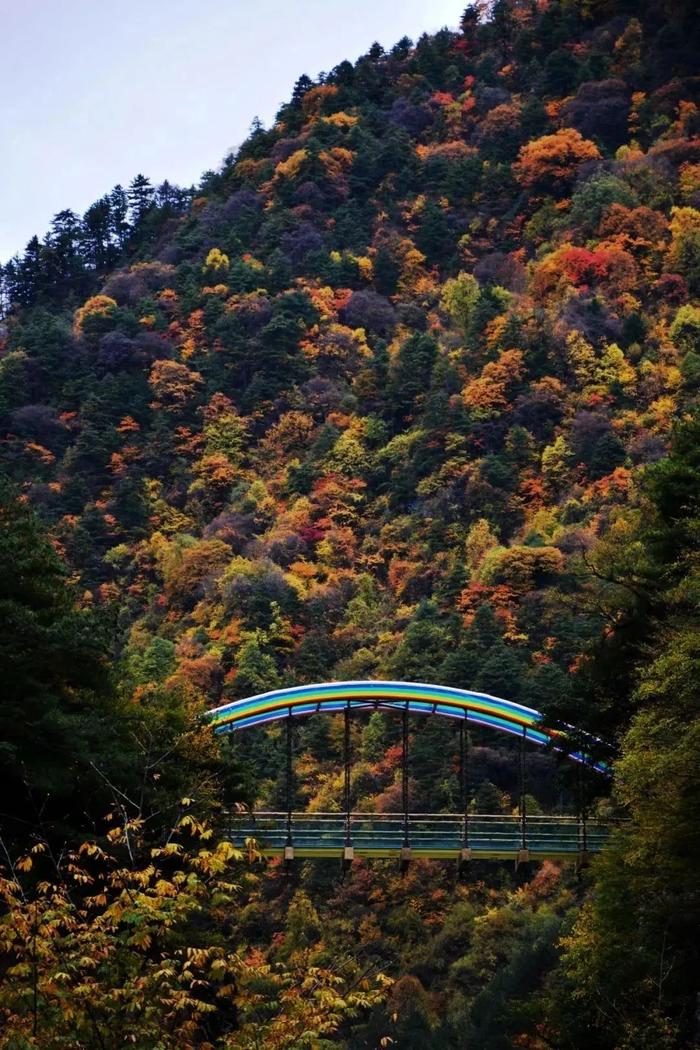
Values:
[(406, 389)]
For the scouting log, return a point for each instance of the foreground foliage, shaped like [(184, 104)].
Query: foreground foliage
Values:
[(122, 944)]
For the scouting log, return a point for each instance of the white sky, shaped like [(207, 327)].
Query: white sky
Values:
[(93, 92)]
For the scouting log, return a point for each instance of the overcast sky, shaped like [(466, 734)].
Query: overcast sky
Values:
[(92, 92)]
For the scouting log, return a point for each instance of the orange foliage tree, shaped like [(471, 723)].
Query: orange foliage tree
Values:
[(173, 384), (549, 164)]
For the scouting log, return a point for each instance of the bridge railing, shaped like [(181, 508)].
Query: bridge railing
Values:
[(424, 833)]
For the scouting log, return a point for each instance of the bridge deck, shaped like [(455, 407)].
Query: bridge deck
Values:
[(439, 836)]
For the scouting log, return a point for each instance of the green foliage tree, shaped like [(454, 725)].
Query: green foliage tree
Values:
[(410, 376), (459, 297), (57, 717)]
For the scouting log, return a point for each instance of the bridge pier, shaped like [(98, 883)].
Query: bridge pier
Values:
[(582, 810), (465, 853), (404, 779), (523, 854), (347, 771), (290, 777), (583, 855), (464, 782), (289, 845), (405, 859)]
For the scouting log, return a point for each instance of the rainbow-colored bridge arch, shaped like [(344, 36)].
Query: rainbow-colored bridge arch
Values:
[(416, 697)]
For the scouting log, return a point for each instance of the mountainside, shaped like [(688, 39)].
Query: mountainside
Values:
[(390, 395)]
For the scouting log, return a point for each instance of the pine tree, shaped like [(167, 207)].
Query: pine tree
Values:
[(119, 215), (140, 196), (96, 234)]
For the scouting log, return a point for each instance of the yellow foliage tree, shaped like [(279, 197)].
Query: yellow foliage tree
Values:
[(480, 540), (615, 369), (291, 167), (216, 261), (581, 357)]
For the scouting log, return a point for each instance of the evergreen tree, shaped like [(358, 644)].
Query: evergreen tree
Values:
[(96, 234), (410, 379), (140, 196), (56, 718), (119, 215)]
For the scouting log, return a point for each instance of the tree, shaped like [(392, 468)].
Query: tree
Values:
[(140, 197), (119, 211), (609, 453), (683, 255), (685, 333), (488, 394), (480, 540), (94, 318), (600, 110), (459, 297), (96, 234), (256, 671), (173, 384), (433, 236), (685, 330), (410, 378), (488, 799), (57, 716), (216, 261), (115, 928), (65, 268), (277, 359), (386, 272), (550, 163), (633, 952), (301, 88), (594, 196), (422, 647)]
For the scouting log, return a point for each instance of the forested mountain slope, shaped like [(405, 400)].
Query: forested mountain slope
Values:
[(391, 394)]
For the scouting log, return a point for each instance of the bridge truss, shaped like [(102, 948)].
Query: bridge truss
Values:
[(465, 836)]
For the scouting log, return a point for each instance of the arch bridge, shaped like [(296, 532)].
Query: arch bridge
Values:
[(464, 835)]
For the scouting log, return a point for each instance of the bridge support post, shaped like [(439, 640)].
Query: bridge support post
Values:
[(523, 852), (582, 818), (348, 852), (289, 847), (465, 851), (406, 849)]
